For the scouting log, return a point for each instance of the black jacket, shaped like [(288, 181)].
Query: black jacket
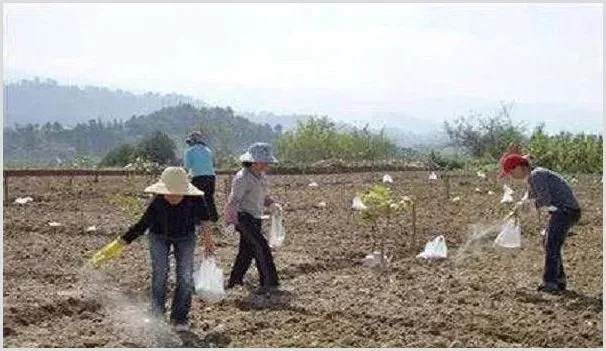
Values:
[(160, 217)]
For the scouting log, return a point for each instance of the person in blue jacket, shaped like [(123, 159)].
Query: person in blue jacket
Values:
[(198, 160)]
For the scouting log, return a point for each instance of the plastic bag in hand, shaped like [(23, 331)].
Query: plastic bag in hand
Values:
[(208, 280), (510, 236), (276, 230)]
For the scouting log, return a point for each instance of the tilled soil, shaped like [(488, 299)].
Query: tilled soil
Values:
[(482, 297)]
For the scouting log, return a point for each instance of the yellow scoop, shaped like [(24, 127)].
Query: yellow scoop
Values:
[(108, 251)]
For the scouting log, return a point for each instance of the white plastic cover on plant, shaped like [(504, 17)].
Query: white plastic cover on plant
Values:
[(276, 230), (357, 204), (510, 236), (23, 200), (507, 194), (433, 176), (435, 249), (208, 281), (387, 179), (313, 185)]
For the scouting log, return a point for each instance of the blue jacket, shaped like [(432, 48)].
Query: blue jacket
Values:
[(198, 160)]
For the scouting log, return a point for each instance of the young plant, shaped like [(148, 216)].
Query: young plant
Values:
[(381, 208)]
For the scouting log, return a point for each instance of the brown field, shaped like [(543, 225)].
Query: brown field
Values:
[(483, 298)]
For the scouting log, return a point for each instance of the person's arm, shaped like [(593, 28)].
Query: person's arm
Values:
[(268, 201), (142, 225), (202, 219), (238, 190)]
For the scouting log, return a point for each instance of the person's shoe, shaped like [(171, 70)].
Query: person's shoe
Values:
[(550, 288), (262, 290), (229, 285)]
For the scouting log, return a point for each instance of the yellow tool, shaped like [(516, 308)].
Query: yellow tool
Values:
[(108, 251)]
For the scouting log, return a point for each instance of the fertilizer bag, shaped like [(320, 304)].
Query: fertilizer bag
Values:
[(510, 236), (208, 280), (276, 230)]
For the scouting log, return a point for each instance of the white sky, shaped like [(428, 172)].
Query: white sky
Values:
[(316, 58)]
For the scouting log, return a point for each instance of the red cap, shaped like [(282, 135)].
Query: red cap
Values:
[(511, 161)]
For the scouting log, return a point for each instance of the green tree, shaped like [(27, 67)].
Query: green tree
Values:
[(157, 147), (120, 156), (485, 136)]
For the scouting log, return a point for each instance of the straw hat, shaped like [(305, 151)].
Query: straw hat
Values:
[(259, 153), (174, 181)]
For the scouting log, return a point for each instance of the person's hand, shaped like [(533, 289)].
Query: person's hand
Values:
[(275, 208)]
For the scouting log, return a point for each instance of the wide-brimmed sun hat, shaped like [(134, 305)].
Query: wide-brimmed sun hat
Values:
[(259, 153), (174, 181)]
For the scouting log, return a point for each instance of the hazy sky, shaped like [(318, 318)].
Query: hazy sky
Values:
[(316, 58)]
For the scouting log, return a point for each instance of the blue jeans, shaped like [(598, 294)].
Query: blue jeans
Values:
[(183, 248), (557, 230)]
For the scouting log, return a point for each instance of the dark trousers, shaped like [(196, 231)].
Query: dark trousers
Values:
[(207, 185), (253, 245), (557, 230)]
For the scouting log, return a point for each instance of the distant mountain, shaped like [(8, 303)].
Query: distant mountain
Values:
[(37, 102), (226, 132)]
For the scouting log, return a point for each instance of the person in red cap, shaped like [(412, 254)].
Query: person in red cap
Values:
[(547, 189)]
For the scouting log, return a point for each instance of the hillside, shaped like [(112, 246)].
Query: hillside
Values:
[(51, 142), (37, 102)]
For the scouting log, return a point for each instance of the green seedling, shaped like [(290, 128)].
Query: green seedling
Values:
[(381, 207)]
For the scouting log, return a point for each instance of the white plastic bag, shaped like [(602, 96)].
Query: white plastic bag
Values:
[(313, 185), (481, 174), (276, 230), (510, 236), (374, 259), (507, 194), (23, 200), (357, 204), (435, 249), (208, 281), (387, 179), (433, 176)]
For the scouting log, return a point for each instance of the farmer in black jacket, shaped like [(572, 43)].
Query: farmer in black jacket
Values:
[(171, 217)]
